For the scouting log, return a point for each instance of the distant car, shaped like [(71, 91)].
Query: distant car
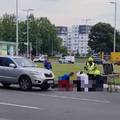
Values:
[(22, 71), (117, 63), (67, 59), (39, 58), (98, 61)]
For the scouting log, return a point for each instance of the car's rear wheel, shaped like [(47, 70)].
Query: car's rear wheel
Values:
[(25, 83), (6, 85)]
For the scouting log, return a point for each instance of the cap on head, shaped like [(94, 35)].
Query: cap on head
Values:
[(90, 59)]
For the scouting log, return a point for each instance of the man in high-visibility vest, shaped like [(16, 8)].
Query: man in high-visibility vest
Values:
[(97, 72), (90, 67)]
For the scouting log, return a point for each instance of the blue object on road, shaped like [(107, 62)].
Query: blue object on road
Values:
[(65, 77)]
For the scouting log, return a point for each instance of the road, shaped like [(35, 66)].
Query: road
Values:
[(57, 105)]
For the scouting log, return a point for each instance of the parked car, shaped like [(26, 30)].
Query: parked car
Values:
[(67, 59), (98, 61), (39, 58), (117, 63), (22, 71)]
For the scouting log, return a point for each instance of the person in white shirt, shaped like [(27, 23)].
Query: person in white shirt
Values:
[(84, 80)]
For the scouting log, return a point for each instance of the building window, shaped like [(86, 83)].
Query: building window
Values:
[(81, 37)]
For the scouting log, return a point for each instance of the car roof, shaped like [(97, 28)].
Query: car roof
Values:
[(9, 56)]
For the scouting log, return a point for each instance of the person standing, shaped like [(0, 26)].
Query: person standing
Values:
[(90, 67), (47, 63), (82, 81)]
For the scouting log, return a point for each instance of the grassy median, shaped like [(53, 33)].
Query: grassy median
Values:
[(60, 69)]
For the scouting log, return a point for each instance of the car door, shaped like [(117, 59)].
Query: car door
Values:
[(7, 74), (2, 70)]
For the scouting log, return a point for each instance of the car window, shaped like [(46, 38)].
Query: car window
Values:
[(5, 61), (23, 62)]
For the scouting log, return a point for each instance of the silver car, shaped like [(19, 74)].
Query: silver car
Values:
[(22, 71)]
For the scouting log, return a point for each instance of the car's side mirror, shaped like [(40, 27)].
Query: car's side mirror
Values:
[(12, 65)]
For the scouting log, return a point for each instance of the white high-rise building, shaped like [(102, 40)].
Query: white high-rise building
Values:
[(62, 33), (76, 39), (73, 39)]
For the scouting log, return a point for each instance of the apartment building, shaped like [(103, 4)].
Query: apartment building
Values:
[(62, 32), (75, 38)]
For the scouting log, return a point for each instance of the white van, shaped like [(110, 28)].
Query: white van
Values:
[(39, 58), (67, 59)]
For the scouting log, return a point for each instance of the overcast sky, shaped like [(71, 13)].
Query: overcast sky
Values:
[(66, 12)]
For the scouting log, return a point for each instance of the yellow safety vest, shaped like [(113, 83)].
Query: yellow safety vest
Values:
[(97, 72), (90, 69)]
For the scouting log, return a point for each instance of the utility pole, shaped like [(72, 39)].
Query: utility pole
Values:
[(28, 44), (115, 18), (17, 27)]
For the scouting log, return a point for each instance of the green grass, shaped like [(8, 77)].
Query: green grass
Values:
[(60, 69)]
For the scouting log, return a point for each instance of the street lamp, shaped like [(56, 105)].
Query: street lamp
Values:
[(16, 27), (28, 10), (115, 17)]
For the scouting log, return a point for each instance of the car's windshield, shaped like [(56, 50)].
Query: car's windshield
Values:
[(24, 62)]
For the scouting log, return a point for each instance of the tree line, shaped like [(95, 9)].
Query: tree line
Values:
[(101, 38), (44, 39), (42, 34)]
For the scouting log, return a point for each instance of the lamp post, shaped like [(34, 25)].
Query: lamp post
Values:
[(27, 11), (115, 17), (16, 27)]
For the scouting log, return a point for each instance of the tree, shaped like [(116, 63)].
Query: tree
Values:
[(42, 34), (64, 51), (101, 38), (7, 30), (48, 35)]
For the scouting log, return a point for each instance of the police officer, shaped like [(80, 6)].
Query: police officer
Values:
[(90, 67), (97, 72)]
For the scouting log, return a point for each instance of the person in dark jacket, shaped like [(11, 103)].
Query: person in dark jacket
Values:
[(47, 64)]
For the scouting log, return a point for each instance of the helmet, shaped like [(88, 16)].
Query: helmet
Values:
[(90, 59)]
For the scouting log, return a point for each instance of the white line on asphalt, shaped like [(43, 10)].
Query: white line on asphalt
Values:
[(3, 119), (22, 106), (75, 98), (72, 98)]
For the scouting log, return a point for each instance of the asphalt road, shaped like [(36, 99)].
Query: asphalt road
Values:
[(56, 105)]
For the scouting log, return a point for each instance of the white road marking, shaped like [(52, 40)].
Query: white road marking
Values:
[(22, 106), (66, 97), (75, 98), (72, 98), (3, 119)]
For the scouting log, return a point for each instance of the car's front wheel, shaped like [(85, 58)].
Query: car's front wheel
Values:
[(25, 83)]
